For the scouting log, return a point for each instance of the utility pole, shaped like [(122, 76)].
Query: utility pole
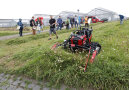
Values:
[(78, 11)]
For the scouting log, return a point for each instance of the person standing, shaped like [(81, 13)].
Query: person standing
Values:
[(42, 25), (67, 23), (86, 21), (38, 22), (41, 20), (76, 22), (59, 22), (52, 23), (33, 25), (20, 24), (82, 20), (71, 22), (121, 19), (79, 21)]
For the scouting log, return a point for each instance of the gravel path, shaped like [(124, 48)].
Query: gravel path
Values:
[(11, 82), (17, 35)]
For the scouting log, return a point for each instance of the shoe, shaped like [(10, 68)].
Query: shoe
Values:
[(49, 39), (57, 37)]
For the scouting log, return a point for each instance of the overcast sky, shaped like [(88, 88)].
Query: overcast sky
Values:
[(13, 9)]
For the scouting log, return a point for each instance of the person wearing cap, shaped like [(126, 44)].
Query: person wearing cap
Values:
[(20, 24)]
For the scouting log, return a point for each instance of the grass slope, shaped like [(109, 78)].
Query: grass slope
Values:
[(32, 56)]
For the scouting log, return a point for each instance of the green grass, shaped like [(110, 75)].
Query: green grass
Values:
[(6, 33), (32, 56), (45, 27)]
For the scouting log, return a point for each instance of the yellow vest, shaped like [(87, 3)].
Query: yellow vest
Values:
[(86, 20)]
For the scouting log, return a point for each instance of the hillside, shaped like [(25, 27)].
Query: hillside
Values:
[(31, 56)]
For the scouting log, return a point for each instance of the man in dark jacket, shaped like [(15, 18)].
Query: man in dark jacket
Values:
[(59, 22), (20, 24), (52, 23)]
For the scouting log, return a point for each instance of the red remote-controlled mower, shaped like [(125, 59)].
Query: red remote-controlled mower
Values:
[(81, 39)]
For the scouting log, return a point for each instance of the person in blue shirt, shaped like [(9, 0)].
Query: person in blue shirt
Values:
[(21, 26), (59, 22), (79, 21), (121, 19)]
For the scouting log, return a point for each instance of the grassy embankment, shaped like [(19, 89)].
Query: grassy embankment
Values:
[(32, 56)]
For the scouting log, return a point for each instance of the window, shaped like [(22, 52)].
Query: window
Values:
[(94, 17)]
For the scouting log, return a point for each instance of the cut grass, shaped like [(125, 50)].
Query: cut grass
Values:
[(32, 56)]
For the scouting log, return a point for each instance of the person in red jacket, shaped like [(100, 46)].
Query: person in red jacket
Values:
[(41, 20)]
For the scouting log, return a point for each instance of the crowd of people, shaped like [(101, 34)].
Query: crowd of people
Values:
[(70, 22), (75, 22), (36, 24)]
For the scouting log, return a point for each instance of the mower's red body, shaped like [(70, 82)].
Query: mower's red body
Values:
[(81, 39)]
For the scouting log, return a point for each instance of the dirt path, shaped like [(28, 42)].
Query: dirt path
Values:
[(17, 35)]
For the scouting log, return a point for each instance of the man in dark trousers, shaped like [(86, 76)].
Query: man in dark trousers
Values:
[(52, 23), (20, 24)]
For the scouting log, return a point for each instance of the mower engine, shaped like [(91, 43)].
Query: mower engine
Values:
[(81, 39)]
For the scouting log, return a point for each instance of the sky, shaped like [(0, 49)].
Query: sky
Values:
[(25, 9)]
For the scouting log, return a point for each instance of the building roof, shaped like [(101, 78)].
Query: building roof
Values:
[(100, 11)]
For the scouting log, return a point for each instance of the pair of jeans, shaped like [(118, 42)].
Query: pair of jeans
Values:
[(71, 25), (67, 26), (86, 25), (59, 26), (38, 31), (79, 24), (76, 24), (20, 31), (121, 22)]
